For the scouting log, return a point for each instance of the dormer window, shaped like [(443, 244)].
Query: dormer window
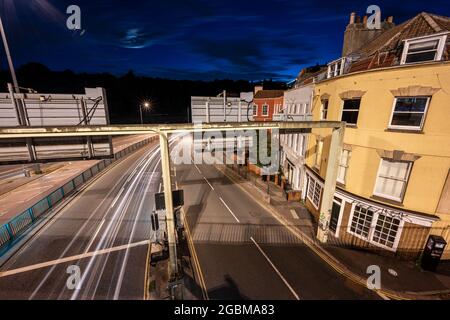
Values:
[(336, 68), (424, 49)]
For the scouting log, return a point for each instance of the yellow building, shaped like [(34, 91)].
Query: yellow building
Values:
[(393, 186)]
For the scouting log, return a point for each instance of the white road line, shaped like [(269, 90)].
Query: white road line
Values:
[(117, 197), (208, 183), (175, 171), (382, 295), (159, 189), (234, 216), (72, 258), (196, 167), (95, 235), (276, 270), (294, 214)]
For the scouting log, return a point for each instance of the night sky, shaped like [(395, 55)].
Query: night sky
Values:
[(189, 39)]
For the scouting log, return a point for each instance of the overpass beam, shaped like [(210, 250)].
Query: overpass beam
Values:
[(337, 139)]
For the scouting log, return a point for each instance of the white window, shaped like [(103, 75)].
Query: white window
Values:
[(255, 109), (350, 111), (314, 192), (392, 178), (300, 143), (265, 110), (319, 147), (376, 226), (386, 230), (294, 142), (423, 49), (324, 110), (336, 68), (361, 221), (343, 166), (409, 112)]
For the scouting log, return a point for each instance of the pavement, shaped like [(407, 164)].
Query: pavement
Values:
[(99, 237), (241, 251), (399, 278)]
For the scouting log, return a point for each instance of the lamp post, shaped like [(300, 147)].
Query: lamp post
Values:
[(146, 105)]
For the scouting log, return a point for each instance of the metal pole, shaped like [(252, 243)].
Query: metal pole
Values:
[(140, 111), (16, 107), (8, 56), (329, 188), (224, 106), (165, 165)]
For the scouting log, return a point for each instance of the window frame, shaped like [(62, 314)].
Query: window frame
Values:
[(346, 166), (323, 110), (265, 114), (318, 165), (442, 38), (316, 185), (375, 217), (332, 70), (359, 109), (255, 110), (389, 197), (411, 128)]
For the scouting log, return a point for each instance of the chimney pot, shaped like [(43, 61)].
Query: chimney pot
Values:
[(352, 17), (390, 19), (365, 20)]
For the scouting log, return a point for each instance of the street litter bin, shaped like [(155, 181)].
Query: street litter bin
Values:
[(433, 252)]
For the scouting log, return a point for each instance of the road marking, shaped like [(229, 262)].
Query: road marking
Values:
[(95, 235), (117, 197), (72, 258), (382, 295), (294, 214), (229, 209), (208, 183), (196, 167), (276, 270)]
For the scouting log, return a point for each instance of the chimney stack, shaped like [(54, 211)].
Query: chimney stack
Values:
[(352, 17), (357, 34)]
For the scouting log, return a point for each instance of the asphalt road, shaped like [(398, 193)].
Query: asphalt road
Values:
[(245, 253), (104, 231)]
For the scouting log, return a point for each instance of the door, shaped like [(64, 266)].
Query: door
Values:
[(335, 212)]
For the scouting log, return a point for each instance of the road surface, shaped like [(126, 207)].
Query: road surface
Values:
[(245, 253), (104, 231)]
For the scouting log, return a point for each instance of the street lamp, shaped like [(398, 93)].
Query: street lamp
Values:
[(145, 105)]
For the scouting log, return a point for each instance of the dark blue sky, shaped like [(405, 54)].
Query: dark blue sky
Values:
[(190, 39)]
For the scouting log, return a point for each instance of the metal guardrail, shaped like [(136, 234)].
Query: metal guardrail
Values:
[(11, 231)]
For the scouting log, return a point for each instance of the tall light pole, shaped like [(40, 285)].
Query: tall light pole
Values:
[(20, 106), (8, 56), (146, 105)]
